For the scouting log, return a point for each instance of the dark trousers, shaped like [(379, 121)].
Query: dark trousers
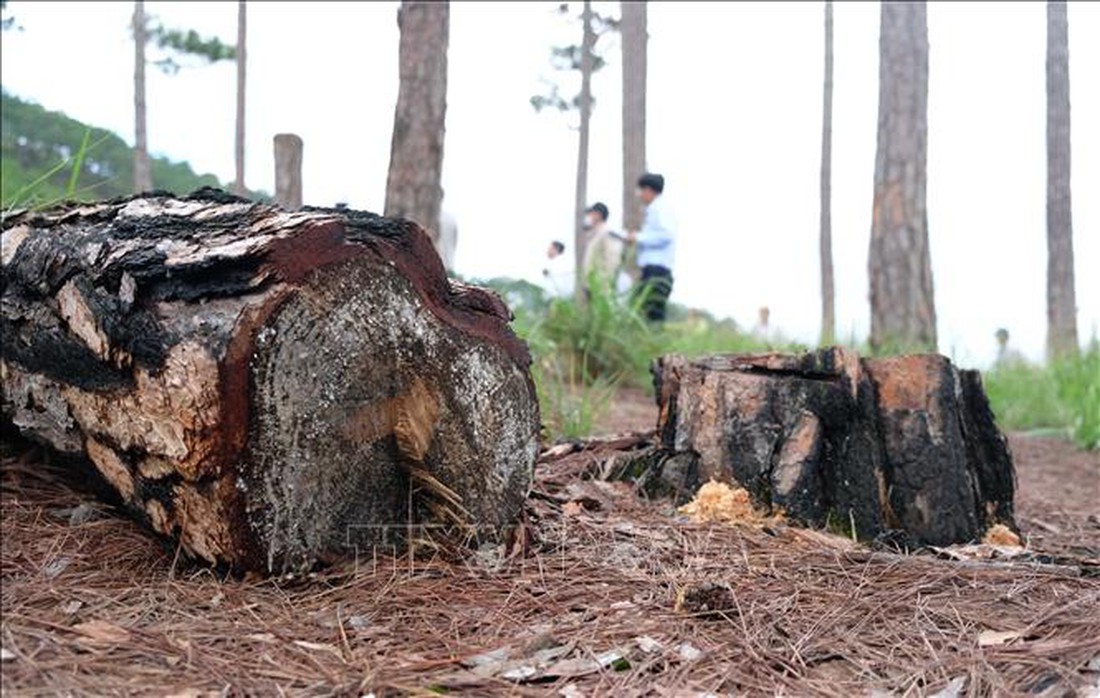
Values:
[(655, 288)]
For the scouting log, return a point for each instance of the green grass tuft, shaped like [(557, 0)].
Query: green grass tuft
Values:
[(1061, 398)]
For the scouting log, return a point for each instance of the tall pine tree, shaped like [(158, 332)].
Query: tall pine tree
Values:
[(414, 187), (903, 311), (1061, 294)]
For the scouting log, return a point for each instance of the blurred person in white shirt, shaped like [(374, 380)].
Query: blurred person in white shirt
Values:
[(656, 243), (557, 271)]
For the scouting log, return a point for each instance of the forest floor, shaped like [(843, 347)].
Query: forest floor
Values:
[(611, 595)]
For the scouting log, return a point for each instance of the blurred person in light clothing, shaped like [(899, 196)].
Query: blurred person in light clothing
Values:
[(603, 255), (557, 271), (656, 244)]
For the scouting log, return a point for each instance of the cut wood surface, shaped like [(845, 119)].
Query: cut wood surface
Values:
[(269, 387), (827, 438)]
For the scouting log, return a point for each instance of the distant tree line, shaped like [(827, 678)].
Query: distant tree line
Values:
[(34, 140)]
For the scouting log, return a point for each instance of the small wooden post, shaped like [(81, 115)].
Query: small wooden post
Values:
[(288, 171)]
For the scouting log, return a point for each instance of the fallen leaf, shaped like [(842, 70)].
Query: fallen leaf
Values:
[(550, 654), (823, 538), (71, 607), (558, 451), (82, 514), (580, 666), (101, 632), (75, 516), (990, 638), (318, 647), (629, 529), (519, 673), (648, 644), (261, 637), (570, 690), (56, 566), (689, 651), (953, 689), (573, 508), (979, 552), (541, 641), (496, 656)]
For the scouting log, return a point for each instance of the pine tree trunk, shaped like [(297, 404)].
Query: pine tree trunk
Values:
[(288, 148), (270, 388), (828, 302), (903, 313), (239, 187), (633, 29), (414, 188), (1061, 295), (143, 172), (580, 239)]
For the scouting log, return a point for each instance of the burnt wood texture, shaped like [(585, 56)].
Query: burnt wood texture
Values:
[(269, 388)]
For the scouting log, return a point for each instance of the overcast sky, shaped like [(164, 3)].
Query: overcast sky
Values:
[(734, 124)]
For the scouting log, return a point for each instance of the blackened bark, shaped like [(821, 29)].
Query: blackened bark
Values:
[(828, 438), (903, 312), (271, 388)]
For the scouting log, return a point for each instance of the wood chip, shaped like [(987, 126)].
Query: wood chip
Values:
[(101, 632), (992, 638)]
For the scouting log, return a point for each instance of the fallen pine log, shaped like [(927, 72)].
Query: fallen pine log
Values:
[(827, 438), (271, 388)]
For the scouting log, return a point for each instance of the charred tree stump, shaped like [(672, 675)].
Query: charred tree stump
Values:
[(828, 438), (269, 387)]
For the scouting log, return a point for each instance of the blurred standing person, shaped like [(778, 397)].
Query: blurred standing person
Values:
[(603, 255), (1006, 355), (656, 244), (762, 329), (557, 272)]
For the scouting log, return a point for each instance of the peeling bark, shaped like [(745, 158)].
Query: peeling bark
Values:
[(269, 387), (828, 438)]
